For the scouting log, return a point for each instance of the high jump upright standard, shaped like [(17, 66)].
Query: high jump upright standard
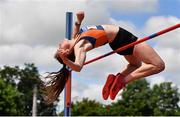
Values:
[(67, 91)]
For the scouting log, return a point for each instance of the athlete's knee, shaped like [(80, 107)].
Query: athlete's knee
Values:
[(159, 66)]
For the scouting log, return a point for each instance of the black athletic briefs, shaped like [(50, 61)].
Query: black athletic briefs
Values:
[(122, 38)]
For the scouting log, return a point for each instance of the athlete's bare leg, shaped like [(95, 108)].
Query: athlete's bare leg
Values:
[(134, 63), (152, 63)]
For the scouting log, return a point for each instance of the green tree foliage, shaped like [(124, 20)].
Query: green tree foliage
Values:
[(20, 82), (8, 97), (137, 99), (165, 99), (87, 108)]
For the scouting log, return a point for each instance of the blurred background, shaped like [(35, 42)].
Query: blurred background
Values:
[(30, 31)]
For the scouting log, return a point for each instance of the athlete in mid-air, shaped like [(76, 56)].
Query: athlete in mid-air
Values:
[(143, 60)]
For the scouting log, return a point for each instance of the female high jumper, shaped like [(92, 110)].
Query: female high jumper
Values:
[(143, 60)]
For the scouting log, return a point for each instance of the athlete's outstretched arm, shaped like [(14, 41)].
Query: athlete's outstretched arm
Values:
[(80, 17)]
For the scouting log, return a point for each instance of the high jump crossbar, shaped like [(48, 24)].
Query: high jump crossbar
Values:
[(134, 43)]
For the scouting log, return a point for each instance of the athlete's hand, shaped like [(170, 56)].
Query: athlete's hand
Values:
[(63, 53), (80, 16)]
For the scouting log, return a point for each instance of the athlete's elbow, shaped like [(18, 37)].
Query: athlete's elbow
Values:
[(78, 69)]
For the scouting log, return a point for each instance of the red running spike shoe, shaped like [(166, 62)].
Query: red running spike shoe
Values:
[(118, 84), (107, 86)]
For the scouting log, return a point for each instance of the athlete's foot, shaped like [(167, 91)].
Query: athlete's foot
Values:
[(107, 86), (118, 84)]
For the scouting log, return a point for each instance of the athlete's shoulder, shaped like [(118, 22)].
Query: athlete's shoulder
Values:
[(87, 28)]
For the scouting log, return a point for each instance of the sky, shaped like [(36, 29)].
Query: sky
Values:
[(30, 31)]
